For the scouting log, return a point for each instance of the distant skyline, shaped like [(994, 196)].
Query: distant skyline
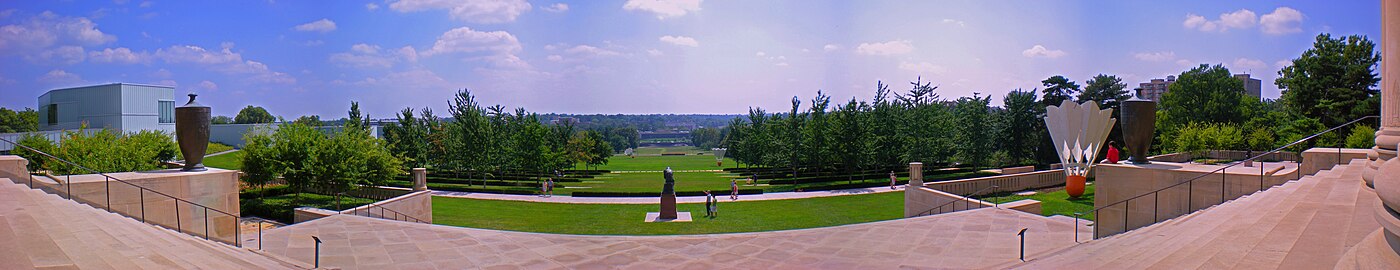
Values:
[(635, 57)]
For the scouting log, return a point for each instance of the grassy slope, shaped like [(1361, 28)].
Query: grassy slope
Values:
[(644, 182), (657, 163), (626, 219), (1056, 202), (230, 161)]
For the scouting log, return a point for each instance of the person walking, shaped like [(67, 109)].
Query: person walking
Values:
[(544, 189), (894, 181), (708, 213), (733, 189)]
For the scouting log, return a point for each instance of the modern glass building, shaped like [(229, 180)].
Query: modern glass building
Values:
[(123, 107)]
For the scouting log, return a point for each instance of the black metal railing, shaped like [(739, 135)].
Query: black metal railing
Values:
[(1191, 183), (966, 199), (67, 185), (384, 213)]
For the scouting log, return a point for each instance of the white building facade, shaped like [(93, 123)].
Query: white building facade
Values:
[(121, 107)]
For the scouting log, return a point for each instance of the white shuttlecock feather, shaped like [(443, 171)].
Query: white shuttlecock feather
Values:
[(1078, 132)]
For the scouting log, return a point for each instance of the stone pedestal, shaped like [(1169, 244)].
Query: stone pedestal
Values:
[(668, 206), (916, 181), (420, 179)]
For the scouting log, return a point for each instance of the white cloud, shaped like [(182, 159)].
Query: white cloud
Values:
[(590, 51), (466, 40), (60, 77), (371, 6), (411, 79), (831, 47), (225, 61), (664, 8), (556, 7), (1185, 62), (365, 48), (555, 58), (161, 73), (892, 47), (1280, 64), (207, 86), (923, 68), (1155, 56), (1239, 19), (474, 11), (1245, 64), (170, 83), (1041, 51), (48, 29), (654, 52), (781, 64), (408, 53), (955, 22), (680, 40), (119, 55), (1283, 20), (322, 25), (63, 55), (366, 55), (761, 54), (146, 4)]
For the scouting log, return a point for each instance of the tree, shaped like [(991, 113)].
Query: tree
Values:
[(309, 120), (1021, 126), (1334, 81), (221, 120), (253, 115), (1108, 90), (1207, 94), (974, 138), (18, 121), (1057, 90)]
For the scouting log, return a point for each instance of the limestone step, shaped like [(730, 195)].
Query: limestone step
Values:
[(56, 232), (1308, 223)]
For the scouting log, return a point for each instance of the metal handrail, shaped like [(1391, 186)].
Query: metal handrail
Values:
[(965, 198), (369, 213), (142, 192), (1220, 170)]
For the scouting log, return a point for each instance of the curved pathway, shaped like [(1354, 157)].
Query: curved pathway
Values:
[(653, 200)]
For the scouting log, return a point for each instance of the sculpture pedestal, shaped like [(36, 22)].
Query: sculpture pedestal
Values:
[(680, 217), (668, 206)]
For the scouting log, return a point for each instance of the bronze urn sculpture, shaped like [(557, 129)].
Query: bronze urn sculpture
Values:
[(668, 196), (192, 132), (1139, 118)]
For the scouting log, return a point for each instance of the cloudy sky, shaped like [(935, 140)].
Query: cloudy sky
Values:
[(635, 56)]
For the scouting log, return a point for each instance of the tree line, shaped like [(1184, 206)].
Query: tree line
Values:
[(493, 140)]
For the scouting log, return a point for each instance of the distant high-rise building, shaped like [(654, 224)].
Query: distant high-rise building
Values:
[(1155, 89), (1251, 85)]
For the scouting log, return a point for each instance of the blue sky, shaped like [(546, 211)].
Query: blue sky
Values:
[(653, 56)]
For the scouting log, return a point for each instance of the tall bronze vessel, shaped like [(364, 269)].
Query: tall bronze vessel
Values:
[(1139, 117), (192, 132)]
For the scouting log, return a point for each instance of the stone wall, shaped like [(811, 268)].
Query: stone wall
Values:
[(1117, 182), (417, 205), (1222, 154), (1317, 159), (1004, 183)]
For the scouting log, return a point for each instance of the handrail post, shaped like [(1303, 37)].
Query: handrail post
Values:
[(260, 239), (69, 185), (1076, 227), (1022, 234), (238, 231), (142, 194), (318, 251), (206, 223), (107, 187), (178, 227)]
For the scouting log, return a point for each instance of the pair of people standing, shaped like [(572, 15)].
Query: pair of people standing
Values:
[(711, 205), (547, 188)]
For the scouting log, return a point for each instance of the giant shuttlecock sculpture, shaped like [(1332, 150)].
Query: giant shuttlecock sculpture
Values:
[(1078, 131)]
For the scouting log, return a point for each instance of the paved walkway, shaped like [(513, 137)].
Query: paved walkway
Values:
[(654, 200), (976, 239)]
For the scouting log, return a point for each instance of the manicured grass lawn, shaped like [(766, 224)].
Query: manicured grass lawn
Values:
[(230, 161), (649, 181), (626, 219), (657, 163), (1055, 201), (689, 150)]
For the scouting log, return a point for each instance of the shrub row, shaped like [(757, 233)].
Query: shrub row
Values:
[(464, 188)]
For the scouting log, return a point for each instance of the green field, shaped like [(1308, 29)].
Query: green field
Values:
[(643, 182), (1054, 201), (230, 161), (626, 219), (657, 163)]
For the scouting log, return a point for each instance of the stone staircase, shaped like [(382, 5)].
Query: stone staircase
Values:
[(1303, 224), (44, 231)]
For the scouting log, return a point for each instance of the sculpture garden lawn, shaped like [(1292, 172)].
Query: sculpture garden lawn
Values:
[(626, 219)]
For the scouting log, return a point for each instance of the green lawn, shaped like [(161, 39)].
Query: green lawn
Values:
[(643, 182), (230, 161), (657, 163), (280, 207), (1054, 201), (626, 219)]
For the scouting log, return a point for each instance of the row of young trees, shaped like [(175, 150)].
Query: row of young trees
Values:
[(102, 150), (915, 126), (493, 140), (337, 160)]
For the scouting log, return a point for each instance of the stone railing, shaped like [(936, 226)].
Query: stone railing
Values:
[(1004, 183), (951, 196)]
